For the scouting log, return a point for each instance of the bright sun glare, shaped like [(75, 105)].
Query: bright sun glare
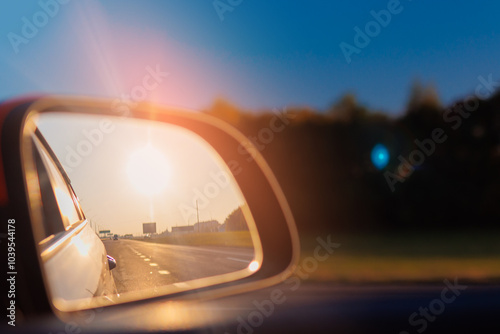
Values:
[(149, 170)]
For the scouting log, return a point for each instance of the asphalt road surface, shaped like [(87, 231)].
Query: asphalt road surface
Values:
[(143, 265)]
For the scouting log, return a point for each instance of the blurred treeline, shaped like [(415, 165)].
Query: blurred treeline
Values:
[(235, 221), (322, 160)]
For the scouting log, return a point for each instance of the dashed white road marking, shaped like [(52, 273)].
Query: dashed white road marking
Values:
[(143, 256), (147, 260), (153, 264), (163, 272)]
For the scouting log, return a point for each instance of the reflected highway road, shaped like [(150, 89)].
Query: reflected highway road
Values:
[(144, 265)]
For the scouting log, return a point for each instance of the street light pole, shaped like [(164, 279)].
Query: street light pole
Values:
[(197, 216)]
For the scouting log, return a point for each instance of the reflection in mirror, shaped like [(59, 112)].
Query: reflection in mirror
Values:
[(155, 197)]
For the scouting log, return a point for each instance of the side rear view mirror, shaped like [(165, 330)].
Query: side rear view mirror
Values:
[(211, 220), (111, 262)]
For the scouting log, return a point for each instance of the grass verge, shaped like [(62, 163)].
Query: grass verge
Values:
[(229, 239), (408, 257)]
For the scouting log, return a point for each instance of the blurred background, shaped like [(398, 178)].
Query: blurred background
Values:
[(380, 118)]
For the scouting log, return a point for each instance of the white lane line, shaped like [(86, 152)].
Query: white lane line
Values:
[(143, 256), (153, 264), (235, 259), (163, 272), (147, 260)]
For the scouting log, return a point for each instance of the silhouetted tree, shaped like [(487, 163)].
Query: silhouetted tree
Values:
[(235, 221), (347, 109), (423, 97)]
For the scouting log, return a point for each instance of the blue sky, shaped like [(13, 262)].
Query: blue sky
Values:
[(263, 54)]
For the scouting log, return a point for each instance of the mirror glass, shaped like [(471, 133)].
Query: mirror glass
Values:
[(133, 208)]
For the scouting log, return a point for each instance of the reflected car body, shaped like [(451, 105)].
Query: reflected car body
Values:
[(74, 256)]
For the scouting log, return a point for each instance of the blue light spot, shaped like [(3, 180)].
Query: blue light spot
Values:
[(380, 156)]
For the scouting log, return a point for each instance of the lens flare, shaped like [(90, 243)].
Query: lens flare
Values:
[(254, 266), (380, 156)]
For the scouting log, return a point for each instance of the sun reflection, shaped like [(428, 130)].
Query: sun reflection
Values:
[(82, 247), (254, 266), (149, 170), (66, 205)]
